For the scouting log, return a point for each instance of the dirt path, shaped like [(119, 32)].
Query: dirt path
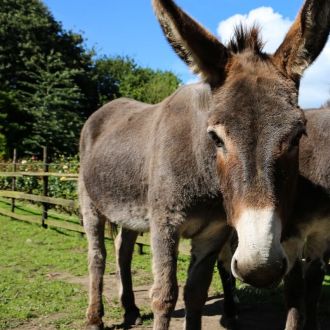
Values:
[(263, 316)]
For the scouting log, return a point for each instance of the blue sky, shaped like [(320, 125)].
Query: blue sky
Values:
[(128, 27)]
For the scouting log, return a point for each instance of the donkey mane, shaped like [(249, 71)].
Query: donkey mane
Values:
[(246, 38)]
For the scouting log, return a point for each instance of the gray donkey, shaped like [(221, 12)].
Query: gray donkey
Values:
[(306, 237), (308, 234), (224, 149)]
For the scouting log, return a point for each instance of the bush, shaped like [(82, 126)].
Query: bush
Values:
[(2, 146), (58, 187)]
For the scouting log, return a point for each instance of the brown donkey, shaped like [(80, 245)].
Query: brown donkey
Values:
[(228, 146), (307, 235)]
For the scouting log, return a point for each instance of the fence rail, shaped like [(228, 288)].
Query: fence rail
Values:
[(39, 174), (42, 219), (38, 198), (52, 223), (43, 198)]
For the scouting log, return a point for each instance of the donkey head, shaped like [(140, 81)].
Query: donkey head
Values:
[(255, 123)]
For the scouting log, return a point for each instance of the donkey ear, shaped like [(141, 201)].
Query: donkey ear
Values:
[(305, 39), (197, 47)]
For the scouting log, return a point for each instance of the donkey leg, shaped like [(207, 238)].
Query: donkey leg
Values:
[(164, 292), (315, 252), (294, 297), (94, 228), (230, 300), (124, 244), (229, 285), (203, 257), (195, 291), (314, 277)]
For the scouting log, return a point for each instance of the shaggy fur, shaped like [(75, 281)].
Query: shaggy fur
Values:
[(308, 233)]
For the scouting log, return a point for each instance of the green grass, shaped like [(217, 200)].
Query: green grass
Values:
[(30, 254)]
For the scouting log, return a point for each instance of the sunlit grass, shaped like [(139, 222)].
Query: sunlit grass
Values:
[(30, 254)]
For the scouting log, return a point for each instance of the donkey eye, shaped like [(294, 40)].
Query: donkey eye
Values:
[(216, 139)]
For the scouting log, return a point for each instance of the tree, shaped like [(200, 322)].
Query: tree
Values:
[(49, 83), (55, 103), (149, 86), (108, 74), (3, 144), (28, 36), (121, 76)]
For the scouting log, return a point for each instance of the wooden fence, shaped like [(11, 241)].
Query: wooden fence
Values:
[(45, 200)]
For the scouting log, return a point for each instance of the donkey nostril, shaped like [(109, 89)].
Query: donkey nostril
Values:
[(235, 266)]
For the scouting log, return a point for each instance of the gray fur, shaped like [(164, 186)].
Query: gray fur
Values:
[(308, 235)]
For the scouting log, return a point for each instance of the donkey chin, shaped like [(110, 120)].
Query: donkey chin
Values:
[(259, 259)]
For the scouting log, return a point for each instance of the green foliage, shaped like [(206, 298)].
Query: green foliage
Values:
[(108, 74), (2, 137), (49, 83), (3, 143), (43, 84), (121, 76), (58, 187), (159, 86), (54, 100), (2, 146)]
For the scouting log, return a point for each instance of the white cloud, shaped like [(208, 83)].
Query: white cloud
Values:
[(315, 85), (274, 26)]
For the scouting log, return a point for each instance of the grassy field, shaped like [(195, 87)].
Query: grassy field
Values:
[(31, 260), (36, 263)]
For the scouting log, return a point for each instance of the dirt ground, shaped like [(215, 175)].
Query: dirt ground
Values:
[(263, 316)]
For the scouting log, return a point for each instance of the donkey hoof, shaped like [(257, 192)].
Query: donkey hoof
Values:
[(229, 323), (133, 318), (94, 326)]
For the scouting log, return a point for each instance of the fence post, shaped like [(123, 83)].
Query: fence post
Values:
[(13, 182), (45, 187), (140, 247)]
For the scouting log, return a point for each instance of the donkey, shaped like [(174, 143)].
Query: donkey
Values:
[(307, 236), (217, 153)]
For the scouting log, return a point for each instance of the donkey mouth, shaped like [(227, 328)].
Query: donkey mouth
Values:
[(265, 276), (263, 283)]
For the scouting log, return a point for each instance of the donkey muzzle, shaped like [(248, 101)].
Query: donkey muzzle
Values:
[(259, 259)]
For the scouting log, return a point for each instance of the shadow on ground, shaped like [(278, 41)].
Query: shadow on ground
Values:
[(252, 316)]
